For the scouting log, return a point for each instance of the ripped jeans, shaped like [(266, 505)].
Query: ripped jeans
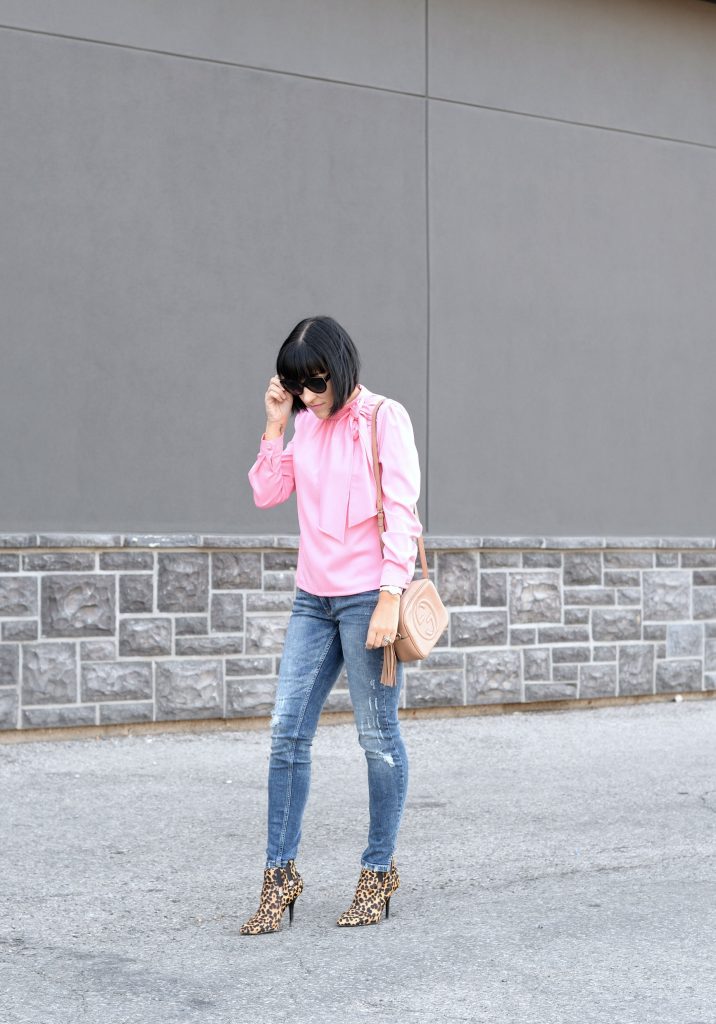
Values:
[(322, 634)]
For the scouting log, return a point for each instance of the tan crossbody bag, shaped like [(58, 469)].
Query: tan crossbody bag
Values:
[(422, 617)]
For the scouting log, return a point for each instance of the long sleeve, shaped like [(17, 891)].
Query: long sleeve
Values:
[(400, 482), (271, 476)]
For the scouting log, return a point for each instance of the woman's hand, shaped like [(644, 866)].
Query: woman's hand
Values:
[(278, 402), (384, 620), (278, 408)]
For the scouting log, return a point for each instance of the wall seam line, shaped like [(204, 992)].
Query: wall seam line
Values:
[(364, 85)]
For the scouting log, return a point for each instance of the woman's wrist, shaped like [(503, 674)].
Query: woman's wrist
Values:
[(273, 430)]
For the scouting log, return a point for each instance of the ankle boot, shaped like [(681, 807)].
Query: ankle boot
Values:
[(281, 888), (372, 894)]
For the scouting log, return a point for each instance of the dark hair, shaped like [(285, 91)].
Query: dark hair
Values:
[(320, 345)]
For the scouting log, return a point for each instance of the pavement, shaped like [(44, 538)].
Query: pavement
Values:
[(556, 866)]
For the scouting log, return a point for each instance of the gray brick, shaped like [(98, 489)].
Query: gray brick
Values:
[(98, 650), (705, 603), (49, 673), (45, 718), (698, 559), (628, 596), (208, 645), (126, 711), (654, 631), (550, 691), (710, 682), (500, 559), (145, 637), (78, 540), (616, 624), (20, 629), (274, 602), (9, 562), (434, 688), (265, 633), (250, 695), (628, 559), (684, 640), (636, 668), (189, 689), (710, 655), (521, 635), (277, 561), (59, 561), (704, 578), (191, 625), (478, 628), (136, 593), (493, 590), (667, 594), (250, 666), (566, 654), (597, 680), (492, 677), (119, 680), (183, 582), (622, 578), (535, 597), (536, 664), (542, 559), (666, 558), (227, 612), (18, 596), (588, 595), (563, 672), (563, 634), (686, 674), (9, 664), (457, 577), (576, 616), (78, 605), (236, 570), (126, 561), (8, 708), (604, 652), (442, 659), (582, 569), (280, 581)]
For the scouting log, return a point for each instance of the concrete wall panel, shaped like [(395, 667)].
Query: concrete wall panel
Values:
[(165, 223), (640, 65), (376, 42), (571, 335)]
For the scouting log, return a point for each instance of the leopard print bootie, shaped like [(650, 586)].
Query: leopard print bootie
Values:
[(372, 894), (281, 888)]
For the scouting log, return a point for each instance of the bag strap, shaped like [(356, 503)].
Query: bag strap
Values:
[(379, 492)]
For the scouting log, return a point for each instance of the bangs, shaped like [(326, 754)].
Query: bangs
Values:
[(299, 361)]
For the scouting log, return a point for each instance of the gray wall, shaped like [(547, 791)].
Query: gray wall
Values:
[(508, 203)]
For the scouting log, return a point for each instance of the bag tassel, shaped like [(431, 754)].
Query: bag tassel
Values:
[(389, 665)]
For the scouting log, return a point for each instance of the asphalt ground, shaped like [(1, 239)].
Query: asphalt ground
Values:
[(556, 867)]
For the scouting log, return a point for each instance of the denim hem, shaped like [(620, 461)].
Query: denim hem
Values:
[(376, 867), (277, 863)]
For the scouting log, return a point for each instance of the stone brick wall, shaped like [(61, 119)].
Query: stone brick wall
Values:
[(99, 629)]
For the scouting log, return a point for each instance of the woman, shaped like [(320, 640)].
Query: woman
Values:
[(347, 599)]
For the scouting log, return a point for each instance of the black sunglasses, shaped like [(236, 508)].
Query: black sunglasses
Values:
[(316, 384)]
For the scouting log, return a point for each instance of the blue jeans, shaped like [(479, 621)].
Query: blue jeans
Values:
[(322, 633)]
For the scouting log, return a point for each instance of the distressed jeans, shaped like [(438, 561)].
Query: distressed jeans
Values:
[(324, 633)]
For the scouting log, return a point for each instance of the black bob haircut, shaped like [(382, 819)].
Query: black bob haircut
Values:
[(320, 345)]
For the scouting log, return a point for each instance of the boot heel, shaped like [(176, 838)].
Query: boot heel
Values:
[(290, 911), (387, 908)]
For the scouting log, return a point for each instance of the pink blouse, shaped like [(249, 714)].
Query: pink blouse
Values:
[(329, 463)]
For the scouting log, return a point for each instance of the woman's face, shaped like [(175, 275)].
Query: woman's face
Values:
[(320, 405)]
